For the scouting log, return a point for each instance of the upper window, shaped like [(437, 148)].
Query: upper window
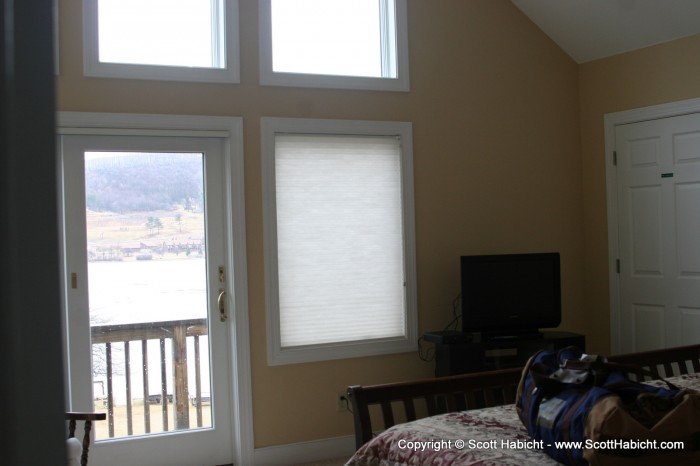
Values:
[(353, 44), (186, 40), (339, 241)]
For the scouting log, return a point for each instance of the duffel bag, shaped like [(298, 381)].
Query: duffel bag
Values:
[(651, 429), (567, 396)]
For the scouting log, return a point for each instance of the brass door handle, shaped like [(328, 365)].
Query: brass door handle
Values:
[(221, 301)]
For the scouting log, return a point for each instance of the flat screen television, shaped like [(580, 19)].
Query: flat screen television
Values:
[(510, 295)]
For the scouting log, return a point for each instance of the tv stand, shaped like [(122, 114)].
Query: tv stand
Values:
[(457, 353), (529, 335)]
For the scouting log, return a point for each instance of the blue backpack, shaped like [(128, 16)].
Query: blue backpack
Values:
[(557, 391)]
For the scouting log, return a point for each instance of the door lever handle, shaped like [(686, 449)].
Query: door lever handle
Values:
[(221, 301)]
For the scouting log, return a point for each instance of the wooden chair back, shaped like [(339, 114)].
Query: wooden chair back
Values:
[(87, 418)]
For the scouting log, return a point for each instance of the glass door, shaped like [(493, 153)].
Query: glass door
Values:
[(146, 283)]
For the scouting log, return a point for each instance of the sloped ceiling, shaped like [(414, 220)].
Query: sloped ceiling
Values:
[(591, 29)]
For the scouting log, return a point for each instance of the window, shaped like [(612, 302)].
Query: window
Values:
[(187, 40), (339, 239), (353, 44)]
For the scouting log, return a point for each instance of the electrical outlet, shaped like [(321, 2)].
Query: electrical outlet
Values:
[(341, 403)]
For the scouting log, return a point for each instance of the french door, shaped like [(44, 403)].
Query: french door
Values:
[(147, 308)]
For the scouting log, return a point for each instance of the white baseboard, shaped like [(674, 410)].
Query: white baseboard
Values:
[(305, 452)]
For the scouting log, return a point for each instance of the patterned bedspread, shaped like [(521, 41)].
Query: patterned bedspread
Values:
[(482, 437)]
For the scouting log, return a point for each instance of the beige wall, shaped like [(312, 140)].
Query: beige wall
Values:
[(495, 109), (655, 75)]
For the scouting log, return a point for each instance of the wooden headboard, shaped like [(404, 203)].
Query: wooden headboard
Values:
[(664, 362), (403, 401), (440, 395)]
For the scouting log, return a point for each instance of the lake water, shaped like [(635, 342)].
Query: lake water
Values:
[(155, 290)]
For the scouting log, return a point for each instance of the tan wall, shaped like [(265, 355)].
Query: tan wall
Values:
[(494, 104), (660, 74)]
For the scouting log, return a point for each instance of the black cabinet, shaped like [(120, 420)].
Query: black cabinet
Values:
[(459, 353)]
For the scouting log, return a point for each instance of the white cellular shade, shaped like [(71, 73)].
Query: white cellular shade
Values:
[(340, 248)]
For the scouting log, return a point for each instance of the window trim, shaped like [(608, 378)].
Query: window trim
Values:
[(276, 354), (400, 83), (92, 66)]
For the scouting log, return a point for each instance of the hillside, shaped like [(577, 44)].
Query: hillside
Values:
[(124, 183), (137, 200)]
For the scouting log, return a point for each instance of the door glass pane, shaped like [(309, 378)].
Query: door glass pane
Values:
[(148, 294)]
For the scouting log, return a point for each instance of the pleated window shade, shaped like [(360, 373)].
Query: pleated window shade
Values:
[(340, 247)]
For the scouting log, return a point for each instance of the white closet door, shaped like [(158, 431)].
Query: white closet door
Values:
[(658, 195)]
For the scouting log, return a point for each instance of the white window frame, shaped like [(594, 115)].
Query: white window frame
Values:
[(399, 83), (95, 68), (278, 355)]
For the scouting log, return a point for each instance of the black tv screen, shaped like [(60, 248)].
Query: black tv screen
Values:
[(510, 294)]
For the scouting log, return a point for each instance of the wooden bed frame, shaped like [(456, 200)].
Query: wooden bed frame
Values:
[(397, 401)]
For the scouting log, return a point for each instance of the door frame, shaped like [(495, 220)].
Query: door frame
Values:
[(611, 120), (231, 129)]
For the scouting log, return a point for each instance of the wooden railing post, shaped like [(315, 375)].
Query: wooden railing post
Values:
[(110, 390), (182, 412), (127, 374), (163, 385), (198, 381), (146, 391)]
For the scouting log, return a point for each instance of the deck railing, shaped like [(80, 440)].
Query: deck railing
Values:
[(113, 336)]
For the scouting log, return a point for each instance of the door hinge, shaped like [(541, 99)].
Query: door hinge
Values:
[(615, 157), (617, 265)]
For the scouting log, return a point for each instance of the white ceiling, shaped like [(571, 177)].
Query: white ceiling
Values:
[(592, 29)]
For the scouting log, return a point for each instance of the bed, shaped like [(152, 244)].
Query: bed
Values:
[(470, 419)]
